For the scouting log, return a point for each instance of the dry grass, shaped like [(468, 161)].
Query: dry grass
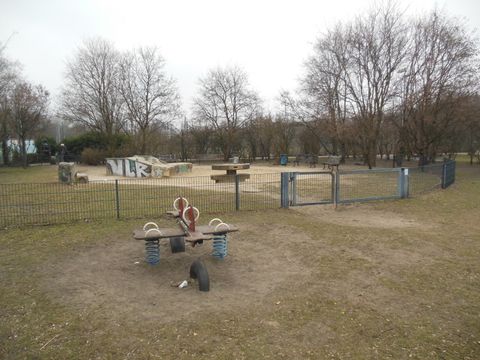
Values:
[(364, 292)]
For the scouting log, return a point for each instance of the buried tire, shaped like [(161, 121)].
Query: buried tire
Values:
[(177, 244), (199, 271)]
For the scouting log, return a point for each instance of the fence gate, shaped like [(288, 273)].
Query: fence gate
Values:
[(307, 188)]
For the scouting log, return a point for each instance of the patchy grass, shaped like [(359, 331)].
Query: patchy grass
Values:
[(31, 174), (365, 292), (465, 158)]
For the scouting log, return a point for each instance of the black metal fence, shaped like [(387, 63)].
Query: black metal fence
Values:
[(53, 203)]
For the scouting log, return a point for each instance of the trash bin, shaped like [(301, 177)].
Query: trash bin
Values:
[(283, 159)]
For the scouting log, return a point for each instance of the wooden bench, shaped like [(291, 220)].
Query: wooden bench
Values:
[(332, 162)]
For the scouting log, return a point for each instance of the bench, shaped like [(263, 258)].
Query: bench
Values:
[(332, 162), (298, 159), (311, 160)]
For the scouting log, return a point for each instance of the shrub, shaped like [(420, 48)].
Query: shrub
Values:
[(93, 156), (93, 140), (46, 146)]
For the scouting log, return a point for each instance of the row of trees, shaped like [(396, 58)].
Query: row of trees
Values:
[(111, 92), (380, 84), (23, 108), (262, 136), (384, 80)]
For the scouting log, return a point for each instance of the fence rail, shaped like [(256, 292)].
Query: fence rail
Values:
[(53, 203)]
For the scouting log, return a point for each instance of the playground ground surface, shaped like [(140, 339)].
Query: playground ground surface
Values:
[(48, 173), (396, 279)]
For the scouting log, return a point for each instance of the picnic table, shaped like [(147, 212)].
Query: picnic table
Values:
[(231, 172)]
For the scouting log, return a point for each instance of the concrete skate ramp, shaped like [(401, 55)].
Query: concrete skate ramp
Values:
[(145, 166)]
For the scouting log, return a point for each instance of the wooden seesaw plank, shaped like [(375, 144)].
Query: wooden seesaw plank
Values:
[(204, 232)]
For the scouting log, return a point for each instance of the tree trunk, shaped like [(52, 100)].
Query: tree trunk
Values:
[(143, 141), (371, 153), (23, 151), (342, 152), (5, 151), (5, 138), (334, 147)]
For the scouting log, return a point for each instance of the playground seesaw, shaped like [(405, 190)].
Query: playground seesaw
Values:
[(189, 232)]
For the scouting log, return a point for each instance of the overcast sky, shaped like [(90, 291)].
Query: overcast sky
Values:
[(269, 39)]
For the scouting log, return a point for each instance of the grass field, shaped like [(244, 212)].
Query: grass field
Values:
[(386, 280)]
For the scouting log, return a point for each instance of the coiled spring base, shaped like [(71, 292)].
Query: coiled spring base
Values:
[(220, 246), (152, 251)]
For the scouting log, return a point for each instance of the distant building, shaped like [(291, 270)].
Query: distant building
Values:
[(14, 147)]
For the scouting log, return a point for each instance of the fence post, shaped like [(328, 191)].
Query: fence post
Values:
[(237, 192), (284, 177), (401, 183), (117, 199), (336, 197), (453, 170), (406, 183), (444, 174), (293, 181), (333, 190)]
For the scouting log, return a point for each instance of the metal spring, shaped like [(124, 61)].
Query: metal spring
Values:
[(220, 246), (152, 252)]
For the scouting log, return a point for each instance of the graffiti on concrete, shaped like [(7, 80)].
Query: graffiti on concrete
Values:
[(128, 167), (145, 166)]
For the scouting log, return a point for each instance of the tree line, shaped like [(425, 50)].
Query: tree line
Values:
[(23, 108), (381, 84)]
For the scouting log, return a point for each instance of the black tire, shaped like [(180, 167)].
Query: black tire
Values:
[(177, 244), (199, 271)]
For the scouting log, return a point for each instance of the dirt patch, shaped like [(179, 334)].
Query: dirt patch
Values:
[(96, 173), (117, 279), (358, 216)]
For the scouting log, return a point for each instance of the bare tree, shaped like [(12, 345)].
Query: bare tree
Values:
[(226, 102), (471, 127), (265, 136), (332, 132), (9, 75), (441, 72), (376, 50), (251, 139), (260, 134), (29, 108), (349, 81), (388, 138), (324, 90), (201, 136), (150, 96), (284, 134), (91, 95)]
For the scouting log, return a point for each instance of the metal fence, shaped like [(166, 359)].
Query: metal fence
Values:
[(53, 203), (367, 185)]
